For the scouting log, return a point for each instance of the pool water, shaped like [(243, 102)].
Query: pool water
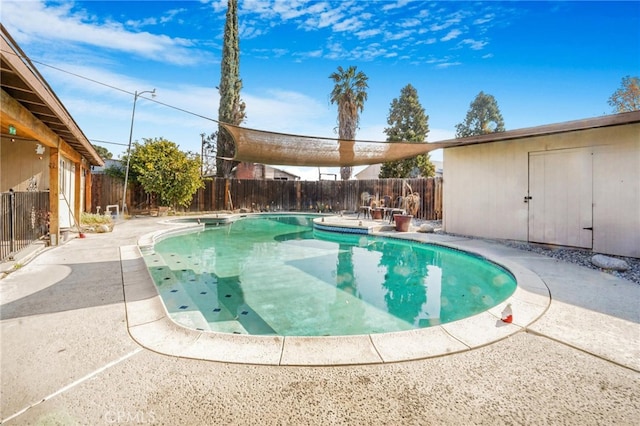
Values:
[(276, 275)]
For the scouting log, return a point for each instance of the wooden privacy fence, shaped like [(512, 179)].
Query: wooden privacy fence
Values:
[(335, 196), (279, 195), (108, 190)]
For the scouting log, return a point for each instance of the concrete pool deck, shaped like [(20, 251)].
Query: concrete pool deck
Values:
[(69, 354)]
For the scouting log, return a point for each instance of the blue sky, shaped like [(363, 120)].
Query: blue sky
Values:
[(544, 62)]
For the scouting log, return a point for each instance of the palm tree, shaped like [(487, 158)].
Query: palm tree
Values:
[(350, 93)]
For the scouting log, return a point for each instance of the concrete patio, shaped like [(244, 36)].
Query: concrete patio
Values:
[(68, 356)]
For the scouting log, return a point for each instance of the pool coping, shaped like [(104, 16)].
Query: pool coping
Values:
[(150, 325)]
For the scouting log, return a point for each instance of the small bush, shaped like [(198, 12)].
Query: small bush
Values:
[(95, 219)]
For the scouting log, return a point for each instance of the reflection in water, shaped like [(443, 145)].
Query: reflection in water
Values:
[(405, 281), (346, 282), (345, 279)]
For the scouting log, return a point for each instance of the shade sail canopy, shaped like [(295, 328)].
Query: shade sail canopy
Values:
[(264, 147)]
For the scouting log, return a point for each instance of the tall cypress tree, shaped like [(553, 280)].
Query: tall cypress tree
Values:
[(231, 109)]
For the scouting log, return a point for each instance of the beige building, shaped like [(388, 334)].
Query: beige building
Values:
[(262, 171), (570, 184), (43, 152), (373, 171)]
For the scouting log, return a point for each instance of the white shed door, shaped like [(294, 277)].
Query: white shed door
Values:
[(561, 197)]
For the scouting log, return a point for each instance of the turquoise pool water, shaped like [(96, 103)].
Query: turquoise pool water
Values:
[(276, 275)]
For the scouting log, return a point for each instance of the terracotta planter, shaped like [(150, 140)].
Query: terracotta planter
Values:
[(403, 221), (376, 214)]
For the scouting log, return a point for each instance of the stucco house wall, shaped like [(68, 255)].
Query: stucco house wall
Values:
[(24, 165), (486, 184)]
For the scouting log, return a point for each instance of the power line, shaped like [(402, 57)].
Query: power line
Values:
[(111, 86), (67, 72), (107, 142)]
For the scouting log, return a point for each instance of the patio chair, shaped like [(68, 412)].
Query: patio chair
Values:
[(387, 206), (365, 206)]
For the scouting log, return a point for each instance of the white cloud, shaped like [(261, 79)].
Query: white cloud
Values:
[(448, 64), (250, 29), (153, 20), (485, 19), (61, 23), (451, 35), (218, 5), (399, 35), (439, 27), (410, 23), (311, 54), (288, 112), (264, 8), (368, 33), (351, 24), (398, 4), (474, 44), (328, 18)]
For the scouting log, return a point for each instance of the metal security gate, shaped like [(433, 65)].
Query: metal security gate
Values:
[(24, 219), (561, 197)]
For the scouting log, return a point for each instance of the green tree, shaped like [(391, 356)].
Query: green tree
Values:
[(483, 117), (162, 169), (409, 123), (103, 152), (231, 109), (209, 153), (350, 93), (627, 97)]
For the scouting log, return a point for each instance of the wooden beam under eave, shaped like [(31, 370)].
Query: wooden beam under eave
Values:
[(77, 195), (54, 196), (85, 169), (69, 152), (28, 126)]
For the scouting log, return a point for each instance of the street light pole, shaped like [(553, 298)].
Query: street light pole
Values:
[(202, 155), (126, 173)]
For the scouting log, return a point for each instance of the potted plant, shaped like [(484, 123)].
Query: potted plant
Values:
[(411, 205), (376, 211)]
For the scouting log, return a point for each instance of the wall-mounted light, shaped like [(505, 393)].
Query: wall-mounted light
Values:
[(12, 130)]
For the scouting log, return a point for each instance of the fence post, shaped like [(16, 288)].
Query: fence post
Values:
[(12, 207), (226, 193)]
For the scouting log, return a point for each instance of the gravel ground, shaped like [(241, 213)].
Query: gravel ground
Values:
[(577, 256)]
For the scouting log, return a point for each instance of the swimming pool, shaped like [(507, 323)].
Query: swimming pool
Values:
[(277, 275)]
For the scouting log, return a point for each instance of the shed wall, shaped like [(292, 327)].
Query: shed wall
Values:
[(485, 186)]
